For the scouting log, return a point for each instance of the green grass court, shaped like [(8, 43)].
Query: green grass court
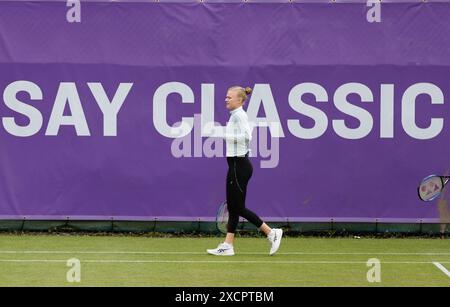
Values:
[(41, 260)]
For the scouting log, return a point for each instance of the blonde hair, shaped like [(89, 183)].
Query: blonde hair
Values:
[(242, 92)]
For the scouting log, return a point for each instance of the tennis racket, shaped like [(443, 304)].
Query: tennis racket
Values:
[(222, 218), (431, 187)]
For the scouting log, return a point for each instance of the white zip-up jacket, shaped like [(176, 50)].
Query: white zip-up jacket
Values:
[(238, 134)]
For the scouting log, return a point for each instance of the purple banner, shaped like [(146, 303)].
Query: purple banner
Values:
[(348, 107)]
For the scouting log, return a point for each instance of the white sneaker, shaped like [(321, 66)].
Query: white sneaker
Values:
[(224, 249), (274, 238)]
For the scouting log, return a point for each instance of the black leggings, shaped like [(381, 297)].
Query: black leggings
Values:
[(239, 173)]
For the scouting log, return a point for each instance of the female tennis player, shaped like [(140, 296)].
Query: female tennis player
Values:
[(238, 136)]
